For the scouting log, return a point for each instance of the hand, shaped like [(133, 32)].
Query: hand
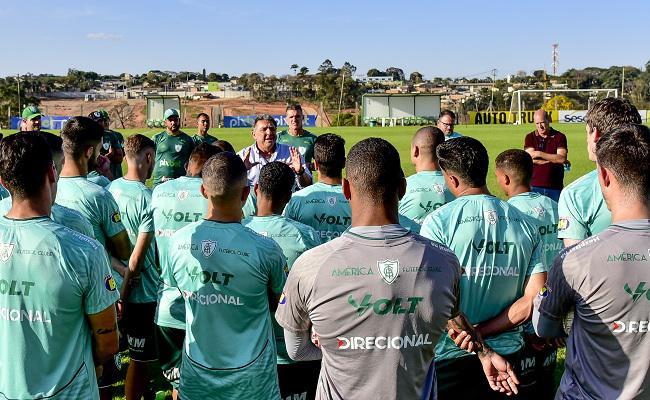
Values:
[(119, 307), (247, 161), (499, 373), (296, 162), (314, 338), (463, 339), (103, 164)]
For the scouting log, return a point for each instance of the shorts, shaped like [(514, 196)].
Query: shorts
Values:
[(170, 353), (536, 372), (139, 327), (299, 380), (463, 378)]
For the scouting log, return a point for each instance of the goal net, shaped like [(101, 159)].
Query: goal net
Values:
[(558, 99)]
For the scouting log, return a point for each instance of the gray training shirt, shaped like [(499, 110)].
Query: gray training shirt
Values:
[(378, 298), (605, 278)]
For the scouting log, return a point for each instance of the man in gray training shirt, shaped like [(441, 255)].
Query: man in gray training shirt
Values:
[(378, 298), (603, 280)]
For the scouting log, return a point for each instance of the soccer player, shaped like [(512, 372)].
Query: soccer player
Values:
[(134, 200), (583, 212), (173, 148), (60, 214), (202, 128), (81, 142), (297, 380), (175, 204), (514, 171), (500, 251), (58, 314), (229, 277), (603, 280), (266, 149), (296, 136), (446, 123), (323, 205), (112, 143), (548, 148), (426, 189), (378, 297)]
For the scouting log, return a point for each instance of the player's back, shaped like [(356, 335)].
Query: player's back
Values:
[(378, 300), (544, 210), (51, 277), (323, 207), (498, 247), (426, 191), (225, 272), (175, 204), (608, 346), (582, 209)]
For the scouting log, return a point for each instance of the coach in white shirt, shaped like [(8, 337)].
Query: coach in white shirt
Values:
[(266, 149)]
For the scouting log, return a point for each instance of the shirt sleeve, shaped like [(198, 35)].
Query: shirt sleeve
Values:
[(277, 266), (431, 230), (571, 224), (101, 289), (146, 222), (557, 297), (111, 219), (536, 264), (561, 141), (292, 313), (529, 142)]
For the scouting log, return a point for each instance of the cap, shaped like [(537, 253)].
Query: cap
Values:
[(31, 112), (170, 112), (99, 115)]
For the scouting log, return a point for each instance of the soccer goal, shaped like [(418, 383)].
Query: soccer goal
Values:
[(526, 99), (156, 106)]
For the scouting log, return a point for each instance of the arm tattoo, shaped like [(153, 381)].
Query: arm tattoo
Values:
[(102, 331), (460, 323)]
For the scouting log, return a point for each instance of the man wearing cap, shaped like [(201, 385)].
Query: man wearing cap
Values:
[(112, 145), (31, 121), (173, 148)]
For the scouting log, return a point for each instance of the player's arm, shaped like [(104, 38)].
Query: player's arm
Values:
[(104, 333), (119, 245), (300, 347), (136, 262), (554, 303), (519, 312), (570, 242)]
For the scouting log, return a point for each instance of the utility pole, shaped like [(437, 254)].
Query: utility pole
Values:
[(18, 80), (623, 83), (338, 116), (494, 79)]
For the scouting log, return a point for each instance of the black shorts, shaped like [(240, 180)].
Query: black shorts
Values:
[(139, 327), (170, 352), (536, 372), (299, 380)]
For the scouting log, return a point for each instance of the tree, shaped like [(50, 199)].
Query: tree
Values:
[(416, 77), (375, 72), (213, 77), (560, 102), (303, 71), (123, 113), (396, 73), (326, 67), (349, 69), (294, 67)]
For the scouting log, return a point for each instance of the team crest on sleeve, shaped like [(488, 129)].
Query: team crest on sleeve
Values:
[(563, 223), (331, 200), (208, 247), (389, 270), (6, 251), (109, 283), (490, 216), (116, 217), (182, 195), (544, 291), (283, 298), (178, 147)]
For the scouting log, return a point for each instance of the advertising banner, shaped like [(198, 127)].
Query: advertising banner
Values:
[(578, 116), (244, 121), (54, 123), (504, 117)]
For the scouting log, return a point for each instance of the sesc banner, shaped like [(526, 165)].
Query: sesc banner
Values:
[(504, 117), (578, 116), (246, 121), (54, 123)]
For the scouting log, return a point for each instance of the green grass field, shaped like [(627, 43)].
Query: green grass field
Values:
[(495, 138)]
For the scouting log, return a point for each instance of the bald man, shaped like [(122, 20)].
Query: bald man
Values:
[(426, 189), (548, 148)]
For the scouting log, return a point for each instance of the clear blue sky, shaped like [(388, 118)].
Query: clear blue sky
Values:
[(436, 38)]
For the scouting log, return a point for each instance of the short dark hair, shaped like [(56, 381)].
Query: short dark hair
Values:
[(24, 161), (625, 151), (223, 173), (202, 153), (517, 164), (329, 153), (265, 117), (136, 144), (447, 112), (294, 107), (276, 180), (78, 134), (428, 138), (224, 145), (467, 158), (373, 167), (610, 113), (54, 142), (202, 115)]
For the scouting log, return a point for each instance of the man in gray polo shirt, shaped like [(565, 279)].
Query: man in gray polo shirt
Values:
[(603, 280), (378, 297)]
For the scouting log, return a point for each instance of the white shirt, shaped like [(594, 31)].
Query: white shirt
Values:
[(282, 153)]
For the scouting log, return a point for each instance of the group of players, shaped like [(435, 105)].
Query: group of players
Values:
[(246, 280)]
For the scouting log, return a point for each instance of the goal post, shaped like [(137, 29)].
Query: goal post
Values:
[(518, 101)]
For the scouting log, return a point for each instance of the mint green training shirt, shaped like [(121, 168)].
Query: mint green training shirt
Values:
[(498, 247), (174, 204), (98, 179), (582, 208), (134, 201), (294, 239), (225, 272), (51, 278), (426, 191), (323, 207)]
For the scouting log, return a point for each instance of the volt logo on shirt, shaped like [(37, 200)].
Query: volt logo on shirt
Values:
[(385, 306), (220, 278), (493, 247), (333, 219), (180, 216), (430, 206), (638, 292)]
